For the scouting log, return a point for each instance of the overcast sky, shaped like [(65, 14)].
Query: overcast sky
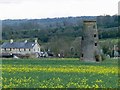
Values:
[(31, 9)]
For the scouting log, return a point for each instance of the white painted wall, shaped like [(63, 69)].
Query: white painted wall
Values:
[(36, 48)]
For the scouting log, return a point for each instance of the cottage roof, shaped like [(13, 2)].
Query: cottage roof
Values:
[(18, 45)]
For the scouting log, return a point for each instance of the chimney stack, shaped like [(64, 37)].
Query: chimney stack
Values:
[(26, 41), (11, 40), (35, 40)]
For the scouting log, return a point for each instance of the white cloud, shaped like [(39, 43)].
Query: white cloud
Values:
[(55, 8)]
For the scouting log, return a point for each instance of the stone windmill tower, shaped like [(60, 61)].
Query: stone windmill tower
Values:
[(90, 50)]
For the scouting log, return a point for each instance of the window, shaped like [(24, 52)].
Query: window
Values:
[(29, 49), (95, 44), (10, 49), (5, 49), (95, 35), (82, 38), (93, 26), (19, 49), (82, 55), (24, 49)]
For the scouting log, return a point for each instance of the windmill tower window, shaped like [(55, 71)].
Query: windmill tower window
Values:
[(95, 44), (93, 26), (82, 38), (82, 55), (95, 35)]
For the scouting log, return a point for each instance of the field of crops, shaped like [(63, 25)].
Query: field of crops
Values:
[(59, 73)]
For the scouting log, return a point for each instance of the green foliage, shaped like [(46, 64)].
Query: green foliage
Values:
[(103, 57), (46, 29), (108, 44)]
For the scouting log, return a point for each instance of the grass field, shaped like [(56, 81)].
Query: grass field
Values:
[(59, 73)]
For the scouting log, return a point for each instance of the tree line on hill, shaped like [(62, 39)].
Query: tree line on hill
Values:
[(60, 35), (45, 29)]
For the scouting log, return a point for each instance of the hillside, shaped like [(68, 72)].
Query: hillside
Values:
[(46, 29)]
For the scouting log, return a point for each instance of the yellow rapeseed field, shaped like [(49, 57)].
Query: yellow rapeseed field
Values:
[(58, 74)]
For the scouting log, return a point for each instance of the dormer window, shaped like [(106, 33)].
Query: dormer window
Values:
[(32, 44)]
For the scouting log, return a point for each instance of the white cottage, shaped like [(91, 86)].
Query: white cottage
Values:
[(21, 47)]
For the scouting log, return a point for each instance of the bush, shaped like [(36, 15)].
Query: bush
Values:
[(103, 57), (98, 58)]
